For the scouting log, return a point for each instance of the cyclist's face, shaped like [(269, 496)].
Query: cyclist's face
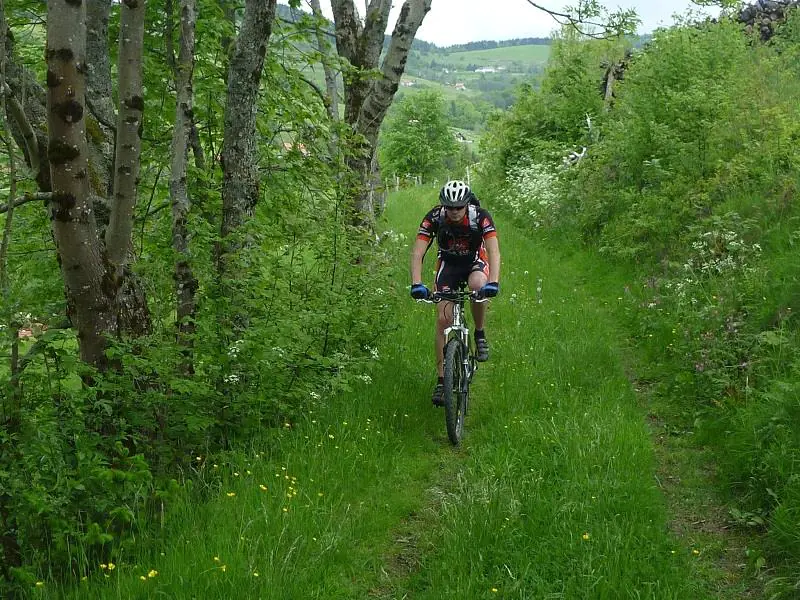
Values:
[(454, 213)]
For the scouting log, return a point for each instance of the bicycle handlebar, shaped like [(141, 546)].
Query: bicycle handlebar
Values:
[(457, 296)]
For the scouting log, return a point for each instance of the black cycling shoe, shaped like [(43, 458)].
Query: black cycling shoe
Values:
[(481, 350), (438, 393)]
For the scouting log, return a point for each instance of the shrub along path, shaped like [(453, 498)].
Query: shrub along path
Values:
[(553, 495)]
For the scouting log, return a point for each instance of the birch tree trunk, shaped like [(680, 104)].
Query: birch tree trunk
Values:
[(185, 283), (90, 288), (129, 133), (368, 99), (194, 140), (239, 148), (131, 304)]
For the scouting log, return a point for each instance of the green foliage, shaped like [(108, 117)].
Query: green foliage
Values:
[(545, 123), (690, 182), (90, 461), (415, 138)]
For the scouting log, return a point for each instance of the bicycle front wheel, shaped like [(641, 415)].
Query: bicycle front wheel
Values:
[(455, 390)]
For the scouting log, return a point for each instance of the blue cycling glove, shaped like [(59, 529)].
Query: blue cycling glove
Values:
[(490, 290), (420, 292)]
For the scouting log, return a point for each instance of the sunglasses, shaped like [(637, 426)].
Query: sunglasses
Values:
[(453, 208)]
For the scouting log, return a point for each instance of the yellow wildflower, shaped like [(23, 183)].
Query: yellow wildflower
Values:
[(585, 536), (231, 494), (152, 573), (40, 584)]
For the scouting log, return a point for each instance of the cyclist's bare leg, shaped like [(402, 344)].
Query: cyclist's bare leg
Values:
[(477, 279), (444, 318)]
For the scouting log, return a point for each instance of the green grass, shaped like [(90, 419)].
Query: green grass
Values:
[(552, 495)]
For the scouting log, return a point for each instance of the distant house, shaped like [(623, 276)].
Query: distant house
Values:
[(461, 86), (485, 70), (407, 82)]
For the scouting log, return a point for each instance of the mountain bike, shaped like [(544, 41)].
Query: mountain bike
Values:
[(459, 361)]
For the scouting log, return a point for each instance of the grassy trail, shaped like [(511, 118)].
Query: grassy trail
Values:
[(552, 496)]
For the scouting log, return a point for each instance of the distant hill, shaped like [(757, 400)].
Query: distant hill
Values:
[(424, 46), (475, 78)]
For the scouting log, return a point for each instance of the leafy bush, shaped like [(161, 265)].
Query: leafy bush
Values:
[(690, 183)]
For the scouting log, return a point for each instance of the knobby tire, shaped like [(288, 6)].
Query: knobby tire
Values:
[(455, 390)]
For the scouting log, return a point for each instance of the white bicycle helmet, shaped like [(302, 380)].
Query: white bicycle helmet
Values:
[(455, 194)]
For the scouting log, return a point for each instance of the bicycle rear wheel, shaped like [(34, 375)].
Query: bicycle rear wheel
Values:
[(455, 390)]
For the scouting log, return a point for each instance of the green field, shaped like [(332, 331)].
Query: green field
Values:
[(501, 57), (488, 76)]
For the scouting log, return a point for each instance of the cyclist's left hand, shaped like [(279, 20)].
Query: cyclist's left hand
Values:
[(490, 290)]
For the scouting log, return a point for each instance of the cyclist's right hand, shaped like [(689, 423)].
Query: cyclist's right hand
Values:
[(420, 292)]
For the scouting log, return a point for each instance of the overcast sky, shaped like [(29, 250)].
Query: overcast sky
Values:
[(460, 21)]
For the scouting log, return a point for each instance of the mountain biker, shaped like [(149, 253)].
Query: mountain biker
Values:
[(468, 253)]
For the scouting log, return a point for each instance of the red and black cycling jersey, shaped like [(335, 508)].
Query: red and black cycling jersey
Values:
[(460, 241)]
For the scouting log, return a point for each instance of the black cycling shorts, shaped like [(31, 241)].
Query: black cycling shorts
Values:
[(453, 275)]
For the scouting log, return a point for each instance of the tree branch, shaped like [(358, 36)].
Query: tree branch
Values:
[(624, 20), (318, 90), (24, 199), (28, 135)]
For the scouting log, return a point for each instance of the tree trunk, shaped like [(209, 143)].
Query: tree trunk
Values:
[(10, 554), (194, 136), (100, 101), (185, 283), (368, 99), (239, 148), (27, 115), (131, 303), (129, 133), (89, 286), (27, 110)]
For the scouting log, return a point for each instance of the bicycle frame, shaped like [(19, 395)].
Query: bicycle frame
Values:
[(459, 328), (460, 331)]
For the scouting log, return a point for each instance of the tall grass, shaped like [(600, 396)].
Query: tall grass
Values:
[(552, 494)]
